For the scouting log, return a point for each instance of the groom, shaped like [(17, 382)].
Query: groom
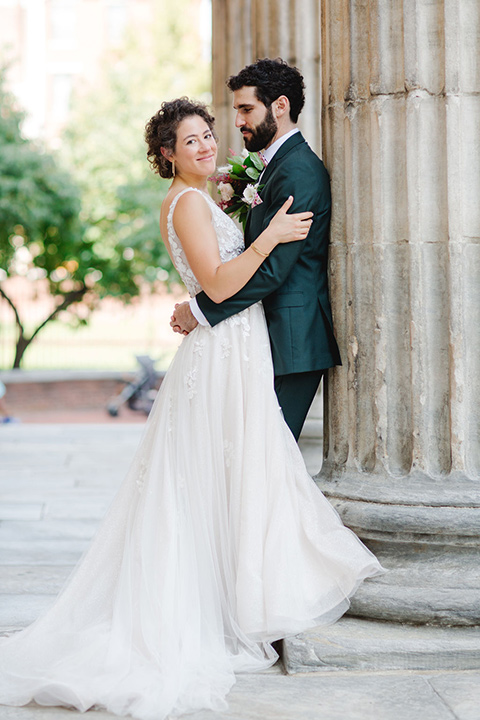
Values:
[(268, 98)]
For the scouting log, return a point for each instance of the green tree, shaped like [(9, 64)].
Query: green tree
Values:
[(104, 141), (91, 229), (45, 235), (39, 228)]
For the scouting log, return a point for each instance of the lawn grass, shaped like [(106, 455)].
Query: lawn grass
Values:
[(109, 342)]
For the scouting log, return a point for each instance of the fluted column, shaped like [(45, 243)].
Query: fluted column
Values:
[(245, 30), (401, 100)]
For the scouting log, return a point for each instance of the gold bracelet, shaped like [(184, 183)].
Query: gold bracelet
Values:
[(259, 252)]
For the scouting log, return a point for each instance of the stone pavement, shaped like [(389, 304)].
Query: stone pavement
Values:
[(56, 482)]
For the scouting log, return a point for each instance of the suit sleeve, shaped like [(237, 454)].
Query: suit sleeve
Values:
[(310, 193)]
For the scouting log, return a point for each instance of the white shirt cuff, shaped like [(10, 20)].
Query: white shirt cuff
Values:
[(197, 313)]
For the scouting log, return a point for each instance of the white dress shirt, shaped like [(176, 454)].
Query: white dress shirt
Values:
[(268, 154)]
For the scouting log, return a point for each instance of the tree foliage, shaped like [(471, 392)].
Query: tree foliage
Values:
[(40, 232), (104, 142), (86, 220)]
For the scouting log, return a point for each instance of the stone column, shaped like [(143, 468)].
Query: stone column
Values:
[(402, 443), (245, 30), (400, 128)]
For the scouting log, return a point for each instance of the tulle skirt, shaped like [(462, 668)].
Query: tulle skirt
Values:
[(217, 543)]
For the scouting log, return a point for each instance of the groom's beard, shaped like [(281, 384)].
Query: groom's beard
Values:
[(262, 134)]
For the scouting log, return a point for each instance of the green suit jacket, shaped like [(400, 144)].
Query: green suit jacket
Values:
[(292, 281)]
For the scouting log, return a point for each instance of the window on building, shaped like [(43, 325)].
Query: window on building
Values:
[(61, 93), (116, 21), (63, 22)]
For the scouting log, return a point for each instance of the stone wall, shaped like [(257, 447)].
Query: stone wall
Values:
[(36, 392), (62, 390)]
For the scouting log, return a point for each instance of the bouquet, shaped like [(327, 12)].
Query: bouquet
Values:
[(237, 184)]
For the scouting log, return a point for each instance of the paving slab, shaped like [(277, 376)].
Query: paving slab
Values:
[(35, 494), (48, 512), (47, 529), (461, 692), (375, 697), (18, 611), (88, 508), (21, 510), (34, 579), (55, 552), (348, 697), (35, 712)]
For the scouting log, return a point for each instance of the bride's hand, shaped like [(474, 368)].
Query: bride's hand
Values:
[(287, 227)]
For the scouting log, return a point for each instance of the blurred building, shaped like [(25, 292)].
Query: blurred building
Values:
[(57, 45)]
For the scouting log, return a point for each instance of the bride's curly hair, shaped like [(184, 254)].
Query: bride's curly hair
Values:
[(161, 130)]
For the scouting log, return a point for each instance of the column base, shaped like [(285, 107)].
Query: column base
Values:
[(357, 644), (434, 585), (426, 533)]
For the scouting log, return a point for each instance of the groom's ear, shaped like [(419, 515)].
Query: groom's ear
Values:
[(281, 106)]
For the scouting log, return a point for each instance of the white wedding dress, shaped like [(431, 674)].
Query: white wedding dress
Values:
[(217, 543)]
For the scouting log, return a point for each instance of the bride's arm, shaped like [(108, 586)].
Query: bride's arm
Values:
[(193, 225)]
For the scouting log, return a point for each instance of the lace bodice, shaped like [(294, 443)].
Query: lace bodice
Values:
[(230, 240)]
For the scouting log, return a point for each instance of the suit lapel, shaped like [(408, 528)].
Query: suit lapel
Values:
[(292, 142)]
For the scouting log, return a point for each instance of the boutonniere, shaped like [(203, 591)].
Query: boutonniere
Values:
[(234, 184)]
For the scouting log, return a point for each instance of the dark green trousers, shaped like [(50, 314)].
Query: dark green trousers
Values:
[(295, 393)]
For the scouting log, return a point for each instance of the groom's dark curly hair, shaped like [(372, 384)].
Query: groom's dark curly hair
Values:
[(272, 78)]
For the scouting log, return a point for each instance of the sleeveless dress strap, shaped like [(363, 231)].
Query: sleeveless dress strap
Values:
[(178, 256)]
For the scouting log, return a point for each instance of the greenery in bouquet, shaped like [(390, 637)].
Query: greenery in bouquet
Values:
[(237, 184)]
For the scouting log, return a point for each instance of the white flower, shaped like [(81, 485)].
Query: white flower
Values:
[(249, 194), (226, 191), (244, 154), (224, 170)]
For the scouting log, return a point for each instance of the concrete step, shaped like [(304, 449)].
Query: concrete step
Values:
[(358, 644)]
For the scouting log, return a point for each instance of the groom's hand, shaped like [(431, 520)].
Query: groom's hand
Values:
[(183, 321)]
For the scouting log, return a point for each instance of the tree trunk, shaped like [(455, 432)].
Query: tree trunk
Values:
[(23, 342)]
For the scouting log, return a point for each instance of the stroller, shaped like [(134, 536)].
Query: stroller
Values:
[(139, 393)]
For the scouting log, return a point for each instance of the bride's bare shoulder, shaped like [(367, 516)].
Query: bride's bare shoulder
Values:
[(191, 208)]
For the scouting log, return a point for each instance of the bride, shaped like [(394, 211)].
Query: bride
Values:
[(218, 541)]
